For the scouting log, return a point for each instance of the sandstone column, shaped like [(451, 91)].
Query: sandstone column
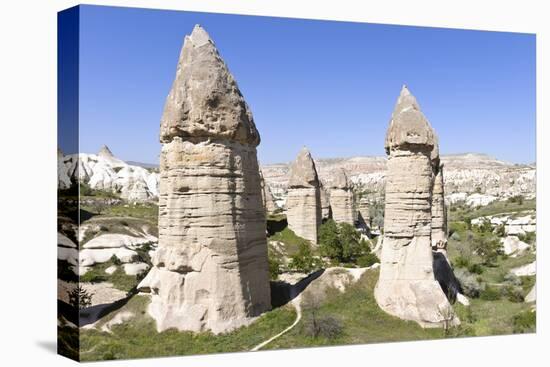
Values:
[(363, 214), (210, 270), (267, 197), (341, 198), (406, 287), (303, 201), (325, 203), (439, 213)]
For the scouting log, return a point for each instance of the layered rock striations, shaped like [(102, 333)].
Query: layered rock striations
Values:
[(210, 271), (303, 201), (407, 287), (268, 201), (341, 198)]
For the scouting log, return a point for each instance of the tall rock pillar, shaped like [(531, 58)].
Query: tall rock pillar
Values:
[(439, 212), (304, 198), (210, 270), (341, 198), (406, 287)]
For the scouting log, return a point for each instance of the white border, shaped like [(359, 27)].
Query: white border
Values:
[(28, 179)]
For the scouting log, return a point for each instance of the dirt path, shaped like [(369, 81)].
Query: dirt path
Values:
[(296, 303)]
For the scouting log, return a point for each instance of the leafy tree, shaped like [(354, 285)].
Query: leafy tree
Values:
[(349, 239), (329, 240), (304, 260), (487, 246)]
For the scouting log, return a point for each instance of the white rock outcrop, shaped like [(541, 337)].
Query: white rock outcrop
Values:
[(512, 246), (303, 203), (407, 287), (525, 270), (103, 171), (341, 198), (210, 271)]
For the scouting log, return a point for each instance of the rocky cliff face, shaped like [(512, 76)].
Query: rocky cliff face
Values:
[(341, 199), (210, 270), (407, 287), (303, 203)]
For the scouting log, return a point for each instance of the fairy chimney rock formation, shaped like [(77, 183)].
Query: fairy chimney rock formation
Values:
[(268, 201), (363, 212), (303, 201), (439, 212), (341, 198), (325, 204), (210, 271), (406, 287)]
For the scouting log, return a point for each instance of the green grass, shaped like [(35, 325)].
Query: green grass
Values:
[(362, 320), (119, 278), (486, 318), (138, 210), (459, 213), (290, 240), (138, 338)]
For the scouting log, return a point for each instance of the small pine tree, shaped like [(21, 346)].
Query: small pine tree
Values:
[(80, 298)]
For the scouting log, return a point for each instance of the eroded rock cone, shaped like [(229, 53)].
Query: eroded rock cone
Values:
[(303, 201), (341, 198), (210, 270), (406, 287)]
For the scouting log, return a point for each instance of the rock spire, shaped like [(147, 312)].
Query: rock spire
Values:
[(210, 271), (407, 287), (341, 198), (303, 201)]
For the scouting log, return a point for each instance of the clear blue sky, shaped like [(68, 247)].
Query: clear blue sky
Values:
[(328, 85)]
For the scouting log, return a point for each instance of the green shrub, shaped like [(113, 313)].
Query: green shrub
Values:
[(304, 261), (455, 236), (490, 294), (115, 260), (461, 261), (274, 267), (487, 246), (513, 293), (341, 242), (471, 287), (367, 260), (475, 268), (525, 322), (325, 326)]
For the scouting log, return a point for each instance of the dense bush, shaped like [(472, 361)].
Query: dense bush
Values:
[(304, 260), (490, 294), (471, 287), (525, 322), (367, 260), (342, 242), (325, 326)]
